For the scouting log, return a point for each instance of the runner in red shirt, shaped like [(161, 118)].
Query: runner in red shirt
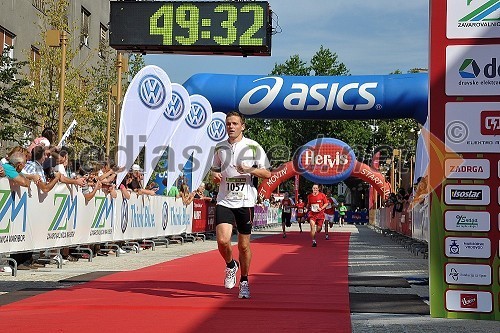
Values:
[(301, 213), (316, 203), (329, 211)]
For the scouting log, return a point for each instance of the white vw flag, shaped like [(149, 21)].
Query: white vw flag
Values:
[(147, 96), (184, 140), (165, 128), (216, 132)]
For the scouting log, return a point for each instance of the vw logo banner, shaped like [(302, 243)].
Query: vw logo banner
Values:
[(146, 98)]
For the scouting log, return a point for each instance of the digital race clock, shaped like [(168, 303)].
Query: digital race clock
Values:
[(220, 27)]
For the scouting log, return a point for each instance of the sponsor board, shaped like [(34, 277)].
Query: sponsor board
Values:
[(467, 247), (468, 301), (472, 70), (472, 19), (465, 220), (467, 127), (474, 274), (475, 195), (456, 168)]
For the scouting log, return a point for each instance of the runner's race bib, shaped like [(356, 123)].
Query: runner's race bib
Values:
[(315, 207), (235, 188)]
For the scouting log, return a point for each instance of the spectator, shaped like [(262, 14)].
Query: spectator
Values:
[(47, 138), (186, 195), (61, 162), (15, 163), (2, 171), (200, 193), (34, 168)]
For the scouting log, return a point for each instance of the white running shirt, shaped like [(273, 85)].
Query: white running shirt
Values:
[(236, 190)]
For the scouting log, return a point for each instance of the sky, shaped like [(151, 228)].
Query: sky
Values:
[(369, 37)]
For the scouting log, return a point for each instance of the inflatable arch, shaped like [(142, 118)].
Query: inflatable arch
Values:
[(317, 97)]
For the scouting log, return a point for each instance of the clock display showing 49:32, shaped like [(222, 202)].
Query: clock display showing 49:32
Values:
[(220, 27)]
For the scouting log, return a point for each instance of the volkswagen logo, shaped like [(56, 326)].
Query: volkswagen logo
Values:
[(175, 107), (164, 216), (197, 116), (216, 129), (152, 91), (124, 219)]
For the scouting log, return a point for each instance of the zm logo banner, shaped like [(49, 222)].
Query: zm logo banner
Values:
[(67, 207), (8, 204), (152, 91), (473, 19), (197, 115), (105, 210), (175, 107), (216, 130)]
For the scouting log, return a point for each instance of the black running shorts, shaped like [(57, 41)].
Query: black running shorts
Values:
[(241, 217)]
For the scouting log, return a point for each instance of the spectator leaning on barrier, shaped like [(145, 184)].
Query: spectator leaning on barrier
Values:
[(15, 163), (186, 195), (60, 157), (2, 171), (34, 167)]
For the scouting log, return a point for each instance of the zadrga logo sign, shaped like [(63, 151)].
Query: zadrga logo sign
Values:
[(328, 96), (325, 160)]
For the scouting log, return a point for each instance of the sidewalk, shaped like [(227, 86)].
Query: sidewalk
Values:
[(370, 254)]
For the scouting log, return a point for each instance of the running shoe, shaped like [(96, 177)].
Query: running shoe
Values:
[(314, 244), (244, 290), (230, 279), (284, 235), (327, 237)]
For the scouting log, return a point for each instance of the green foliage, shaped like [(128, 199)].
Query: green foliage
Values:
[(13, 98)]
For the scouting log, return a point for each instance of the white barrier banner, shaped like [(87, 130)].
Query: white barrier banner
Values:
[(62, 217)]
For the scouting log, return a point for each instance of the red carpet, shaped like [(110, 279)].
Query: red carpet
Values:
[(294, 288)]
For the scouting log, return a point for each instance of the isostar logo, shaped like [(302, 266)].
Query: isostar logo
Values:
[(303, 97), (468, 301), (483, 16), (325, 160), (457, 194), (8, 204), (490, 122), (469, 69), (197, 115), (175, 107), (216, 130), (152, 92)]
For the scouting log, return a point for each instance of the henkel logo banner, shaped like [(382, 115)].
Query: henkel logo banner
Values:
[(165, 128), (474, 274), (466, 220), (467, 168), (468, 301), (469, 127), (472, 19), (467, 247), (475, 195), (325, 161), (145, 100), (472, 70)]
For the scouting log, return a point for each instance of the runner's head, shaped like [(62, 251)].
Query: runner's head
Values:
[(315, 189), (235, 125)]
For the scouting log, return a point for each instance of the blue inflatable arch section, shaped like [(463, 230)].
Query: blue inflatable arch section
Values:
[(316, 97)]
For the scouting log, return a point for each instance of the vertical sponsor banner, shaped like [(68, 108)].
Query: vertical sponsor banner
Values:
[(205, 147), (146, 98), (183, 142), (165, 128), (464, 197)]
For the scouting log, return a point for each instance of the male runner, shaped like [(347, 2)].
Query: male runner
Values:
[(236, 162), (316, 203), (329, 212), (301, 212), (286, 212)]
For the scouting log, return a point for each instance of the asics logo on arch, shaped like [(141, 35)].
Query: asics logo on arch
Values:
[(216, 129), (152, 91), (175, 107), (196, 116), (303, 97)]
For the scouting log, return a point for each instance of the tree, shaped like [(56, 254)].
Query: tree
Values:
[(13, 98)]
